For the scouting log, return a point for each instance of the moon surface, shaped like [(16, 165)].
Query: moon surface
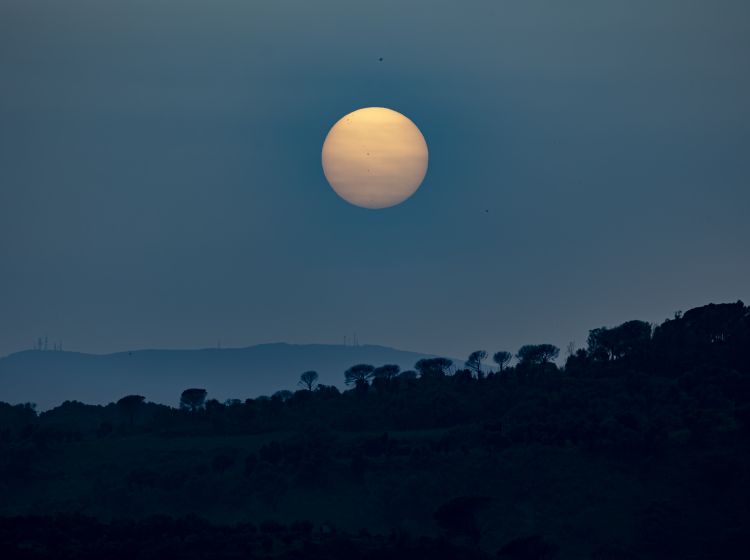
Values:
[(375, 158)]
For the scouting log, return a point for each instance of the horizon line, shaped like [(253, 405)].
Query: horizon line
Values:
[(213, 348)]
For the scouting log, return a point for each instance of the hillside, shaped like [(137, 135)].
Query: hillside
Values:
[(637, 448), (49, 378)]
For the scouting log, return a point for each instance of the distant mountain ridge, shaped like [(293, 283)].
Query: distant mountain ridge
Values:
[(49, 378)]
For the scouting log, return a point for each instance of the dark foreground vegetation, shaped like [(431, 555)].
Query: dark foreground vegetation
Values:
[(638, 447)]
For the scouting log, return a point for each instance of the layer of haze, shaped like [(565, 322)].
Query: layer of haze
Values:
[(160, 178)]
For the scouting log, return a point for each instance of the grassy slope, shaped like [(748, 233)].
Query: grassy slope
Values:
[(576, 499)]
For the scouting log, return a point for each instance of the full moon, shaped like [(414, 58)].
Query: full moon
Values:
[(375, 158)]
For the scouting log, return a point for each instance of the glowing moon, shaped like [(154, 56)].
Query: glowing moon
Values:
[(375, 157)]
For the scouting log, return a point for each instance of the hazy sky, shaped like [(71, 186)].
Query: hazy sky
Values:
[(161, 185)]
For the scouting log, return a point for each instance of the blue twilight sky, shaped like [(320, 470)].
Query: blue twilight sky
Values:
[(161, 186)]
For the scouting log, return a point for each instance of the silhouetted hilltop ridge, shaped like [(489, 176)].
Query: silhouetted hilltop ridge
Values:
[(48, 378), (637, 447)]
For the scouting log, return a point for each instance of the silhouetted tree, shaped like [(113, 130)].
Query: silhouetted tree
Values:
[(193, 399), (214, 407), (358, 374), (383, 376), (612, 344), (308, 379), (576, 363), (537, 354), (328, 391), (386, 372), (474, 363), (130, 404), (718, 334), (599, 345), (283, 395), (548, 352), (430, 368), (407, 378), (502, 359)]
